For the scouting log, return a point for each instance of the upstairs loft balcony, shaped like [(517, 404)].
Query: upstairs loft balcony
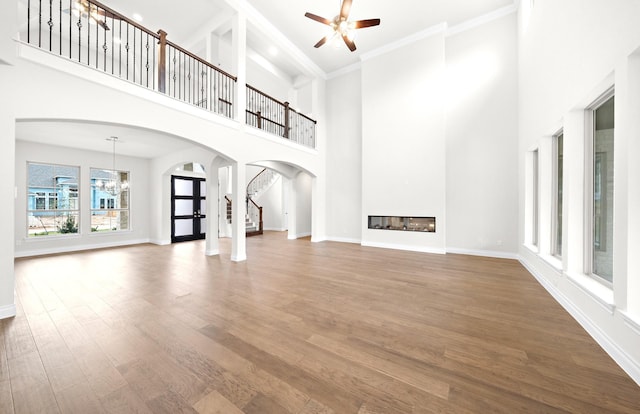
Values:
[(95, 35)]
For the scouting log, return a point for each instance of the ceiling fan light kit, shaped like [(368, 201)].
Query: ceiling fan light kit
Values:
[(341, 26)]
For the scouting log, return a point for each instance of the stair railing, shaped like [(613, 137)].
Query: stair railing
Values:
[(254, 212)]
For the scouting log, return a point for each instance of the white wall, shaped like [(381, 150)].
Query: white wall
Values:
[(482, 128), (139, 199), (272, 202), (344, 158), (570, 53), (403, 142)]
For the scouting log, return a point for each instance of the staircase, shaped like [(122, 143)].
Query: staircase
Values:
[(258, 184)]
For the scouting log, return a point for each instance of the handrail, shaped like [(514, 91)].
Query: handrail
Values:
[(254, 179), (199, 59)]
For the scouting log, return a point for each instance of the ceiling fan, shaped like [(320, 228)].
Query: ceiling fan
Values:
[(341, 25)]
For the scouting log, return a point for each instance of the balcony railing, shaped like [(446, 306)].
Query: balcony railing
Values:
[(278, 118), (93, 34)]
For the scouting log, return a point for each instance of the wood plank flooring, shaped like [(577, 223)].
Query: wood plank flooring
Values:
[(302, 328)]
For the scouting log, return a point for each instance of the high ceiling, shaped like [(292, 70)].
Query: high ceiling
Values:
[(277, 30), (399, 19)]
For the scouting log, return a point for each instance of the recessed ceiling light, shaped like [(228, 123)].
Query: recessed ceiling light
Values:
[(137, 17)]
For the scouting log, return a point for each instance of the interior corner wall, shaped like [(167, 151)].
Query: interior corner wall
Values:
[(482, 143), (403, 142), (344, 158), (570, 52), (50, 154)]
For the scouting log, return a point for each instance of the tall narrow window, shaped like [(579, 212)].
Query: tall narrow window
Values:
[(52, 205), (535, 234), (109, 200), (557, 184), (602, 191)]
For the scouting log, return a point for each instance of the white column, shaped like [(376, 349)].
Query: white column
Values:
[(292, 208), (213, 210), (239, 46), (239, 210), (8, 187)]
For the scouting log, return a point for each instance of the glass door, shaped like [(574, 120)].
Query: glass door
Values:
[(188, 208)]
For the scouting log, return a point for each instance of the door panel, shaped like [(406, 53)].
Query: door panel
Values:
[(188, 209)]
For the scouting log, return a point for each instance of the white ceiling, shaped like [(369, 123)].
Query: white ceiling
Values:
[(187, 21)]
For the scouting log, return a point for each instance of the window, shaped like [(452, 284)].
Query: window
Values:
[(558, 144), (535, 234), (52, 205), (602, 184), (109, 200)]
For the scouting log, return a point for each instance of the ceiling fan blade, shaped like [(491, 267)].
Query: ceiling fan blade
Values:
[(321, 41), (345, 9), (361, 24), (349, 43), (318, 18)]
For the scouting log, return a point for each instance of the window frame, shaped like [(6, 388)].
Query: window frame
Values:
[(557, 199), (44, 196), (106, 204), (589, 160)]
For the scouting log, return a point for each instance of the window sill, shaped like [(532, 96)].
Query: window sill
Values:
[(552, 261), (602, 294), (532, 247)]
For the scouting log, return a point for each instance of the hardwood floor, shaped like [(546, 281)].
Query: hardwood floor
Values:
[(308, 328)]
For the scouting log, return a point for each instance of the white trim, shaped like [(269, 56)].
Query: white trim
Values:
[(602, 294), (632, 322), (405, 247), (69, 249), (274, 229), (484, 253), (212, 252), (480, 20), (298, 236), (423, 34), (619, 355), (7, 311), (344, 240), (239, 258), (343, 71), (160, 242)]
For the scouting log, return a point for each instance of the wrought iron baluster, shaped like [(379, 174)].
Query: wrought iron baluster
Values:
[(120, 51), (39, 23), (88, 36), (127, 49), (70, 30), (50, 23), (60, 24), (113, 46), (97, 38), (28, 21), (134, 54), (79, 24), (147, 64), (104, 44)]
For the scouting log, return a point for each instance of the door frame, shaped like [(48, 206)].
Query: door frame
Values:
[(198, 232)]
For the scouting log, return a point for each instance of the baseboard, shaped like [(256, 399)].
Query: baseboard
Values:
[(344, 240), (404, 247), (160, 242), (484, 253), (274, 229), (214, 252), (298, 236), (7, 311), (239, 258), (619, 355), (69, 249)]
